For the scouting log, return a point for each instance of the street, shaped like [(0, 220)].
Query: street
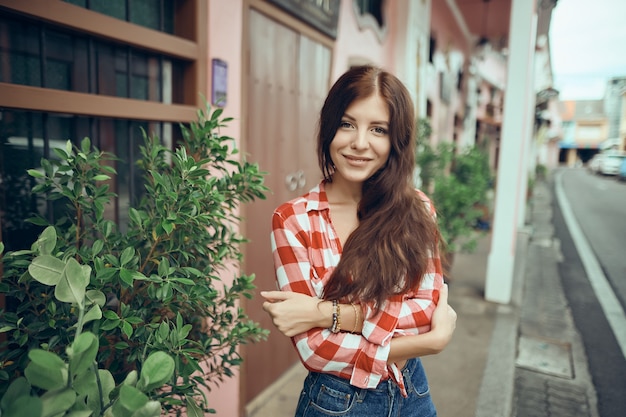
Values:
[(593, 273)]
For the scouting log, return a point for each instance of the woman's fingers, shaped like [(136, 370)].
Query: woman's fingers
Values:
[(443, 294), (444, 317), (275, 296), (291, 312)]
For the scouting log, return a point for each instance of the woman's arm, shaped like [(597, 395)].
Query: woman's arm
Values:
[(294, 313), (443, 324)]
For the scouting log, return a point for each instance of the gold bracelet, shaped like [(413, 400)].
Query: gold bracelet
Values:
[(356, 317), (338, 318)]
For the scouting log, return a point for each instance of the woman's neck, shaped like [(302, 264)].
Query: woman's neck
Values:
[(342, 192)]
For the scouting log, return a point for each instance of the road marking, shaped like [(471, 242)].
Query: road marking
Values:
[(600, 284)]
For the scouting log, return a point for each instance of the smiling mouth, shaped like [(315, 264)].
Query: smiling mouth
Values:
[(356, 159)]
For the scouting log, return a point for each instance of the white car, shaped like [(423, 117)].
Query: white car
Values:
[(609, 164), (594, 163)]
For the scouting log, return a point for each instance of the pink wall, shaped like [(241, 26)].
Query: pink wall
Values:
[(446, 29), (353, 45), (225, 40), (451, 55)]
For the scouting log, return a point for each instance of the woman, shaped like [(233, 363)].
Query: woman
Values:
[(357, 260)]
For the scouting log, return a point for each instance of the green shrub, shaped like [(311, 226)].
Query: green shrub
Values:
[(110, 322), (457, 182)]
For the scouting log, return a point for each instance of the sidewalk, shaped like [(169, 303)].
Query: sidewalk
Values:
[(524, 359)]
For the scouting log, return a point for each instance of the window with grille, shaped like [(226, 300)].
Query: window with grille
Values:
[(105, 69)]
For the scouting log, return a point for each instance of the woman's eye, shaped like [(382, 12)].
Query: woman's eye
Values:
[(380, 130), (345, 125)]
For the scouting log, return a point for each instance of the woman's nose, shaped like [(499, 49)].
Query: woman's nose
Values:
[(360, 140)]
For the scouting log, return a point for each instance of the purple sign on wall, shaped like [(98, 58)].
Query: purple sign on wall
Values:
[(219, 85)]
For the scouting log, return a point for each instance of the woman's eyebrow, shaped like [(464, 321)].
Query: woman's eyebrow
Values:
[(374, 122)]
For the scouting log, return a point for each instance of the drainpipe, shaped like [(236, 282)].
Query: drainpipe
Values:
[(512, 173)]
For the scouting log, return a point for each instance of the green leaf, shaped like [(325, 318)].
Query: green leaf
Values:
[(134, 320), (109, 325), (130, 400), (96, 297), (183, 332), (82, 352), (18, 388), (163, 331), (164, 267), (127, 256), (86, 384), (192, 408), (23, 406), (127, 275), (156, 370), (74, 280), (167, 226), (56, 402), (5, 329), (131, 378), (79, 413), (85, 145), (94, 313), (101, 177), (17, 252), (46, 370), (138, 276), (47, 269), (111, 315), (97, 246), (127, 329), (149, 409), (35, 173), (185, 281), (47, 240)]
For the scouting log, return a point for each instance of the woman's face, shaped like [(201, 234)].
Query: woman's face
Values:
[(361, 144)]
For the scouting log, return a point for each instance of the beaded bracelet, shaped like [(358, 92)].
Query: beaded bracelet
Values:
[(336, 327)]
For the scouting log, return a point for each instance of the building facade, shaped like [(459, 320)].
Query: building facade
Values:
[(76, 68)]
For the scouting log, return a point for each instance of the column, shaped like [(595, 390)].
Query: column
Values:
[(516, 132)]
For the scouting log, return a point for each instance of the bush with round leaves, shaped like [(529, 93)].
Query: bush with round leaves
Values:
[(102, 320)]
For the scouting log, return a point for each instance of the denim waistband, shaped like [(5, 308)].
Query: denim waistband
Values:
[(383, 385)]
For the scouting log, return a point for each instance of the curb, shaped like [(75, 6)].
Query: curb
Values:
[(497, 387)]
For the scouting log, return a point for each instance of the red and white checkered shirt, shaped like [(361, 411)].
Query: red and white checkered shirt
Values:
[(306, 250)]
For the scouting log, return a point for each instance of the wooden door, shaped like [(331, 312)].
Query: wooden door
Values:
[(288, 79)]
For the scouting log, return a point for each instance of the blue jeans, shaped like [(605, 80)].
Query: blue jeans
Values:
[(326, 395)]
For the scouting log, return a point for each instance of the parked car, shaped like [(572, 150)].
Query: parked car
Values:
[(610, 164), (621, 175), (594, 163)]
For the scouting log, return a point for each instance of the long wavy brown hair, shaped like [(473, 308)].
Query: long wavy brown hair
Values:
[(388, 253)]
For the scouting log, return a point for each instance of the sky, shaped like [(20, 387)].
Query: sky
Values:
[(588, 46)]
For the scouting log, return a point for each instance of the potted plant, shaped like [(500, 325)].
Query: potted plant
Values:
[(105, 322), (457, 181)]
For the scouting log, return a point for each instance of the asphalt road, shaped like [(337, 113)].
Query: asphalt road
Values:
[(599, 206)]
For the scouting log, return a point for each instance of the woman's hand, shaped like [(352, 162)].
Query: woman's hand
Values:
[(442, 327), (443, 321), (294, 313)]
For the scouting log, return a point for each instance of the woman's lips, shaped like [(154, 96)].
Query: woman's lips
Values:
[(357, 158)]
